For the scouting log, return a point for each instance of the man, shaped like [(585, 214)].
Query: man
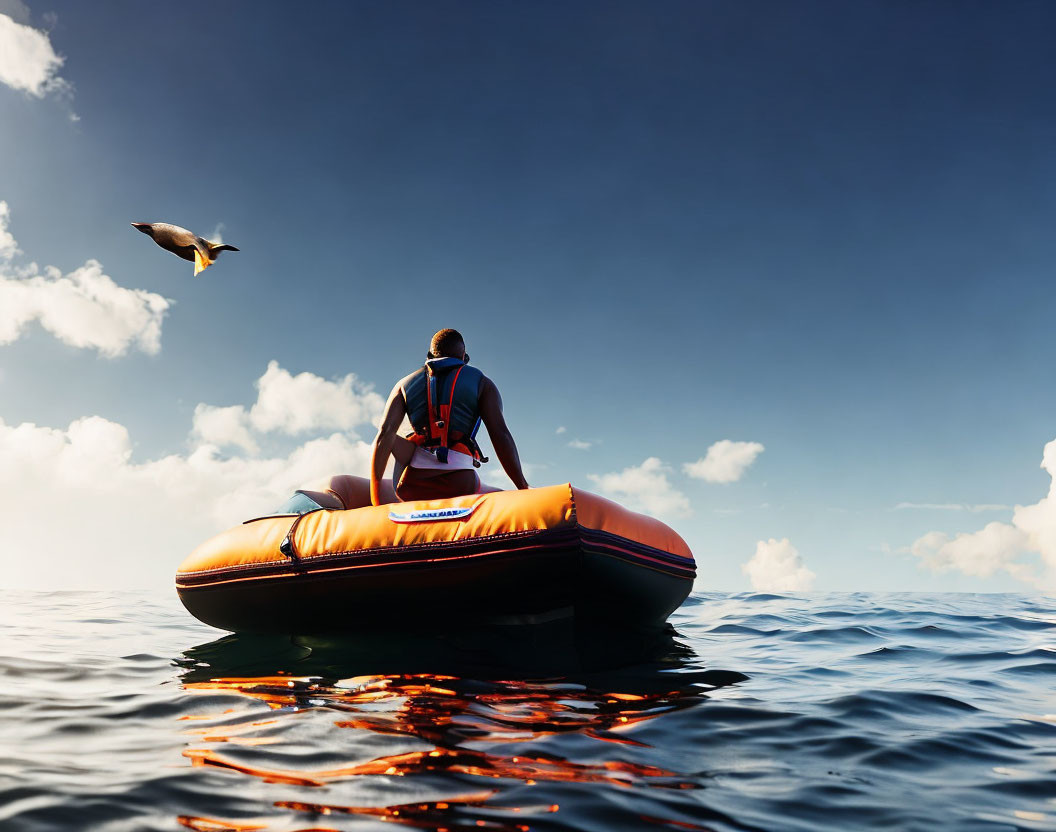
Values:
[(445, 402)]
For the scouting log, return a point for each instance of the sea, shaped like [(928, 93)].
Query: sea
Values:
[(118, 711)]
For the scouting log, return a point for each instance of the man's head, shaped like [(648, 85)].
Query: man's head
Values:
[(448, 343)]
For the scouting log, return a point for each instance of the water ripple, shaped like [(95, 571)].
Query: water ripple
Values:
[(762, 712)]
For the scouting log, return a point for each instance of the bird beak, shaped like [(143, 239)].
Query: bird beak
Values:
[(142, 226)]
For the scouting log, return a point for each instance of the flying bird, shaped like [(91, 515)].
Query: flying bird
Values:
[(184, 243)]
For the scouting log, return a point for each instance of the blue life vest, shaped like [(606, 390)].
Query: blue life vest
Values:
[(442, 406)]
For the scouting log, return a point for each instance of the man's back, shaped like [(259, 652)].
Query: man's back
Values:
[(445, 401)]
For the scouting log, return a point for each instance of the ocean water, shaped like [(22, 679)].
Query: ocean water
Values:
[(838, 712)]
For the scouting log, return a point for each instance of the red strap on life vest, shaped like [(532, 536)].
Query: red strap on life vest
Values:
[(456, 445), (454, 383)]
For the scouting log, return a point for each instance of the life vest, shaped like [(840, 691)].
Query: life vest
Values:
[(442, 407)]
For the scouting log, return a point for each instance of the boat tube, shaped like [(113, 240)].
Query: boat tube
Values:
[(508, 557)]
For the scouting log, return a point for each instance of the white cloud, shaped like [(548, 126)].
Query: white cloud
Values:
[(561, 430), (995, 547), (646, 487), (726, 461), (580, 445), (223, 426), (295, 404), (777, 566), (28, 62), (8, 245), (291, 405), (975, 509), (1003, 546), (84, 308), (83, 514)]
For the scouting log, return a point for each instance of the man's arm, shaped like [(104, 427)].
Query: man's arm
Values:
[(395, 410), (491, 413)]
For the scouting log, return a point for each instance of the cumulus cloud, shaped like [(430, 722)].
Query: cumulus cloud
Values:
[(561, 429), (1008, 547), (289, 404), (84, 514), (777, 566), (223, 426), (295, 404), (580, 445), (28, 61), (645, 487), (725, 461), (8, 245), (996, 547), (84, 308)]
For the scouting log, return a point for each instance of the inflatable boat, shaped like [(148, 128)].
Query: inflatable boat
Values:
[(504, 557)]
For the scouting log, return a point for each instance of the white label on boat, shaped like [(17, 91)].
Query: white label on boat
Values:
[(433, 515)]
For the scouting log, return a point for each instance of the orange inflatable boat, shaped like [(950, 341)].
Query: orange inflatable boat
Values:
[(502, 557)]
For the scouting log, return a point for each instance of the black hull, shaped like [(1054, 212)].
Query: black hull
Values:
[(510, 588)]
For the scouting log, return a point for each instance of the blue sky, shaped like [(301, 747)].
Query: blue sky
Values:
[(822, 227)]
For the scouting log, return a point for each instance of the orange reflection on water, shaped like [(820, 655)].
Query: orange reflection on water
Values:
[(524, 708), (457, 761), (271, 690), (448, 718), (213, 825), (455, 719), (233, 733), (439, 815)]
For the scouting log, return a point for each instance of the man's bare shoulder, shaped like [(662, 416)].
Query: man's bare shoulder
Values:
[(488, 396)]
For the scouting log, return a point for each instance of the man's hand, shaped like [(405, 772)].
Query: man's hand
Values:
[(395, 410), (490, 403)]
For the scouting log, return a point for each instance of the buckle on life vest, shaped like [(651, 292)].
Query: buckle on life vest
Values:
[(470, 444)]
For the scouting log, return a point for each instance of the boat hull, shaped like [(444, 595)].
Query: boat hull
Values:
[(514, 558)]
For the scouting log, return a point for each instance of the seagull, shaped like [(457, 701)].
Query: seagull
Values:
[(184, 243)]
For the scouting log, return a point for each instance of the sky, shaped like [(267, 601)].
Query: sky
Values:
[(777, 273)]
